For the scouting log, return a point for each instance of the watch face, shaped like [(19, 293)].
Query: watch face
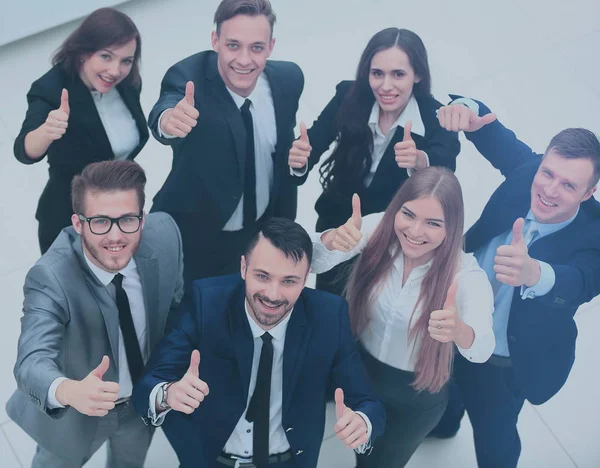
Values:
[(162, 403)]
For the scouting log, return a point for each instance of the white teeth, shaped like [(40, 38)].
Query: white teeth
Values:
[(546, 202), (388, 98), (412, 241), (242, 72), (108, 80), (114, 249)]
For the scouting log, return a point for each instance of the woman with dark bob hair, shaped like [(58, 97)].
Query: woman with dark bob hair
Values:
[(385, 127), (85, 109), (415, 297)]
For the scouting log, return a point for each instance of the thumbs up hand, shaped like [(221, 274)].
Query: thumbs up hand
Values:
[(457, 117), (187, 394), (57, 121), (300, 150), (407, 154), (348, 235), (180, 120), (512, 263), (445, 325), (91, 396), (350, 427)]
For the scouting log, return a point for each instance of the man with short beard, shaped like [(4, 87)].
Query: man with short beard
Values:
[(95, 304), (241, 377)]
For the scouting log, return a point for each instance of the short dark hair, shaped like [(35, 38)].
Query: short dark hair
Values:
[(108, 176), (574, 143), (285, 235), (103, 28), (227, 9)]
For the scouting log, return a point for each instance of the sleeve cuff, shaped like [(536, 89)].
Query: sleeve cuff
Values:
[(299, 172), (467, 102), (544, 284), (155, 419), (412, 170), (324, 259), (51, 401), (160, 132), (366, 446)]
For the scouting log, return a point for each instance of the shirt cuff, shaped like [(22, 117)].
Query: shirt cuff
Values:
[(470, 103), (367, 445), (160, 132), (544, 284), (412, 170), (299, 172), (156, 419), (51, 401)]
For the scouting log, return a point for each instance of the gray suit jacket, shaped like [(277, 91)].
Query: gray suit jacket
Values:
[(70, 321)]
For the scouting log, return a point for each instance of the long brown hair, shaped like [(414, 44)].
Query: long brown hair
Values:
[(103, 28), (434, 359)]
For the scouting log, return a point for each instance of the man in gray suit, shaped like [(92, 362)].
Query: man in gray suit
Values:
[(95, 305)]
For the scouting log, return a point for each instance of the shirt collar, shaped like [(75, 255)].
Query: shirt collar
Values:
[(106, 277), (417, 272), (546, 229), (277, 332), (411, 112), (254, 96), (98, 97)]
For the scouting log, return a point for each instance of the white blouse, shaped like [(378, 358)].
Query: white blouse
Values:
[(386, 336), (119, 124)]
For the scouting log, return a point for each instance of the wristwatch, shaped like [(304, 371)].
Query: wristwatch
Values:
[(161, 397)]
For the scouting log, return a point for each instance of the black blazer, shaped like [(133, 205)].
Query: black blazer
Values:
[(442, 148), (319, 351), (207, 175), (84, 142), (541, 332)]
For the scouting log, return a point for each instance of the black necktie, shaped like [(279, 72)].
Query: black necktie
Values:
[(250, 174), (258, 410), (132, 345)]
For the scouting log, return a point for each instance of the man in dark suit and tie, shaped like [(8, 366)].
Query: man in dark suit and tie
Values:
[(538, 239), (229, 115), (242, 373), (95, 305)]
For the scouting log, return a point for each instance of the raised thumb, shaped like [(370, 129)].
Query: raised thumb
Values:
[(102, 367)]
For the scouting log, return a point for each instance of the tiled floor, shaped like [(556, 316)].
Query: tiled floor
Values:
[(534, 62)]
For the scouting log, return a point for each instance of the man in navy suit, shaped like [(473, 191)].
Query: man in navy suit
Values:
[(538, 239), (267, 348)]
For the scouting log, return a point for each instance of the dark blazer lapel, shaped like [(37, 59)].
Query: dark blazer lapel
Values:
[(88, 117), (296, 341), (226, 105), (388, 166), (131, 100), (104, 300), (280, 100), (147, 266), (241, 336)]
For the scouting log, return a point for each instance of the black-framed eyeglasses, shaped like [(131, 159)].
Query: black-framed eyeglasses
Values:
[(99, 225)]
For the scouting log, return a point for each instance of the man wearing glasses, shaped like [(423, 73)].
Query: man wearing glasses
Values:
[(95, 305)]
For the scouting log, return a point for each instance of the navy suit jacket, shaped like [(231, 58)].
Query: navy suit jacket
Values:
[(319, 349), (207, 175), (541, 331)]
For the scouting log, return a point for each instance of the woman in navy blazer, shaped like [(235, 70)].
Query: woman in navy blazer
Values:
[(385, 126), (86, 108)]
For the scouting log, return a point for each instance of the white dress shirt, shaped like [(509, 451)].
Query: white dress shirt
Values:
[(265, 139), (118, 123), (133, 287), (381, 141), (240, 442), (386, 336)]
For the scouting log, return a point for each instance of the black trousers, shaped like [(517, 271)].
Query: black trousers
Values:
[(410, 414), (493, 401), (213, 254)]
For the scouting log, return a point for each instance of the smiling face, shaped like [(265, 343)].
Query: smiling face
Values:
[(244, 44), (106, 68), (111, 251), (273, 283), (392, 79), (420, 228), (559, 186)]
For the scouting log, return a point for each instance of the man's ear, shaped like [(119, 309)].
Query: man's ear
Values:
[(243, 267), (76, 222)]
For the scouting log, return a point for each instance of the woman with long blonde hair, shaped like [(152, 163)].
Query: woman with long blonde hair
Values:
[(414, 297)]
